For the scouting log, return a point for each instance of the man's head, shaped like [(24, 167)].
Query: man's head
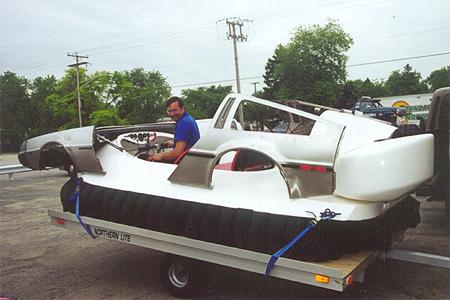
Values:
[(175, 108)]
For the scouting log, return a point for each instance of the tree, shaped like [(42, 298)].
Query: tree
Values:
[(376, 88), (63, 103), (142, 96), (203, 102), (271, 79), (105, 117), (439, 78), (40, 113), (349, 94), (405, 82), (311, 67), (14, 107), (354, 89), (108, 86)]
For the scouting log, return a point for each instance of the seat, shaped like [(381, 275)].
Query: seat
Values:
[(180, 157)]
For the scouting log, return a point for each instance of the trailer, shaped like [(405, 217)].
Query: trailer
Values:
[(182, 269)]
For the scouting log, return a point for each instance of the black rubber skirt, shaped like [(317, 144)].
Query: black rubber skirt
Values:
[(241, 228)]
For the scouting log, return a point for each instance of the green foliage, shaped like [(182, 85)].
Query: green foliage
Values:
[(106, 117), (142, 95), (376, 88), (354, 89), (40, 114), (405, 82), (136, 96), (349, 94), (14, 110), (271, 76), (203, 102), (439, 78), (311, 67), (107, 98), (63, 103)]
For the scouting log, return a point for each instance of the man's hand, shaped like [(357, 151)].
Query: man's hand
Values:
[(169, 156), (155, 157)]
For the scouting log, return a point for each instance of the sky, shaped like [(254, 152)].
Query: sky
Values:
[(186, 40)]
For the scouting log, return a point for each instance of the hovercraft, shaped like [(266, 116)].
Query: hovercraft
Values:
[(253, 180)]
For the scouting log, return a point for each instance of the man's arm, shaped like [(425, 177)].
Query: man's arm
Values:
[(168, 144), (171, 155)]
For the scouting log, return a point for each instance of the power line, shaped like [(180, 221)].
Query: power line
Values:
[(151, 41), (405, 34), (208, 61), (307, 10), (353, 65), (43, 64), (46, 67), (195, 29), (107, 48), (39, 63), (216, 81), (176, 32), (161, 37), (398, 59)]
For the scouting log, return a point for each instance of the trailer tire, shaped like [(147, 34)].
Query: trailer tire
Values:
[(182, 277)]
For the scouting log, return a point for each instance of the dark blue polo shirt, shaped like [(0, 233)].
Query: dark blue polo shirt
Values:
[(186, 130)]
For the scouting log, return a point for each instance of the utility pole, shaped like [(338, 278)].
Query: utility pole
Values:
[(235, 33), (254, 86), (77, 65)]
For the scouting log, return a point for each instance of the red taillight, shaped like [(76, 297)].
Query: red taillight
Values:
[(306, 167), (320, 169), (349, 280), (313, 168), (60, 221)]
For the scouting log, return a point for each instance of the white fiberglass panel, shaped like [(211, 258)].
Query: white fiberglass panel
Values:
[(263, 191), (359, 130), (385, 170), (76, 137)]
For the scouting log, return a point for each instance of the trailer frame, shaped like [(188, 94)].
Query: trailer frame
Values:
[(334, 275)]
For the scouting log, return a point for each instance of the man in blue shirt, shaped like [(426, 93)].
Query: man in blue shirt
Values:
[(186, 131)]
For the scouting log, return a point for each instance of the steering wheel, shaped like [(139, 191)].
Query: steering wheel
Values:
[(144, 152)]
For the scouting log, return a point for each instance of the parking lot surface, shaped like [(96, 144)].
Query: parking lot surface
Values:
[(40, 261)]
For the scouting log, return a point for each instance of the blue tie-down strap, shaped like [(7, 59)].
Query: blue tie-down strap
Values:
[(327, 214), (86, 227)]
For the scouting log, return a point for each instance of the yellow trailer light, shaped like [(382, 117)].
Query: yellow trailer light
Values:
[(322, 278)]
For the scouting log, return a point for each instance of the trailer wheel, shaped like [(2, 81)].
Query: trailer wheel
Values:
[(182, 277)]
